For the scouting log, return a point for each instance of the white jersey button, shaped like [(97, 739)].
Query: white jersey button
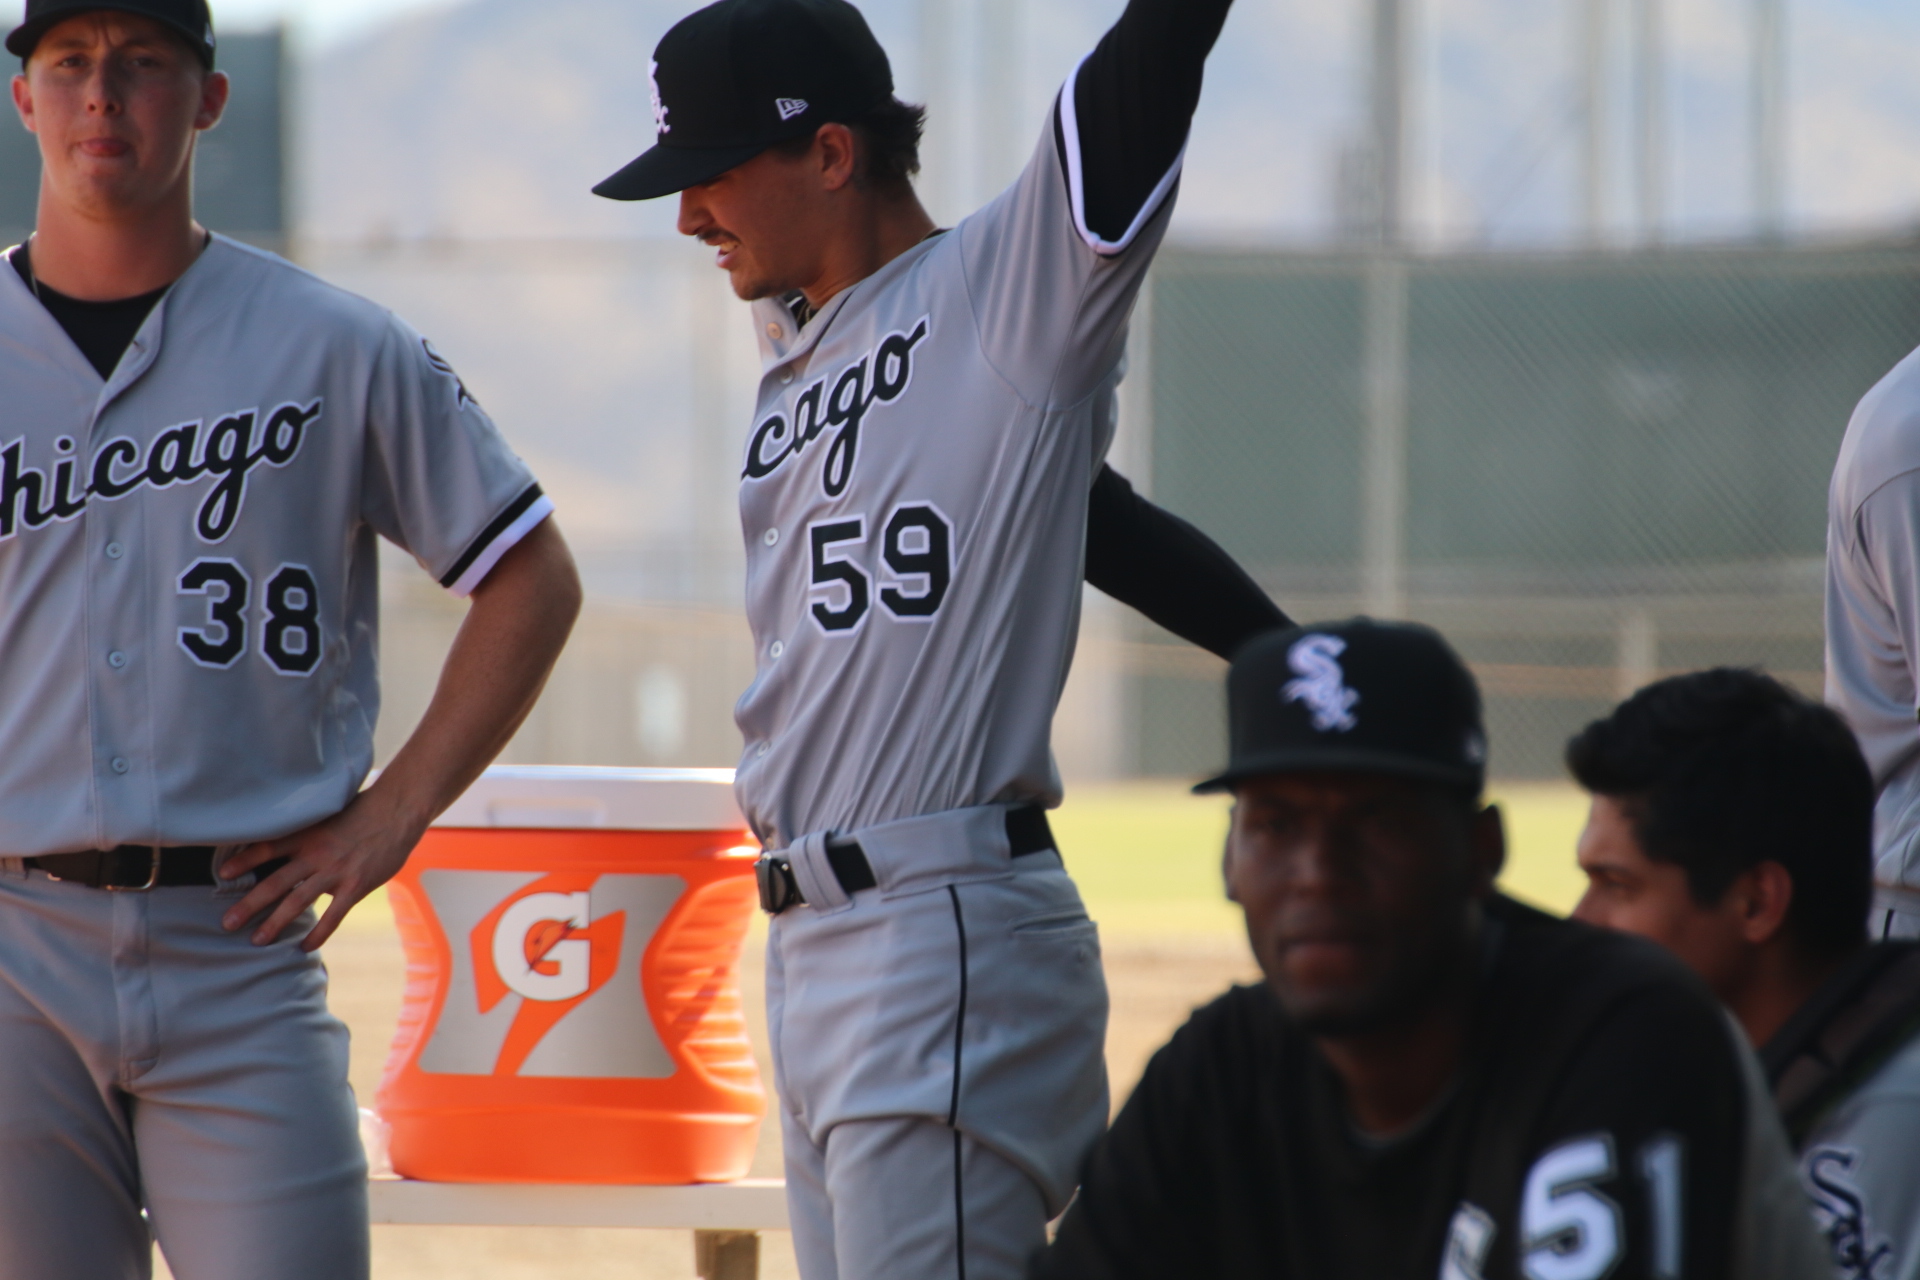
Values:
[(116, 659), (776, 648), (764, 748), (774, 330), (115, 551), (786, 376), (772, 538), (120, 764)]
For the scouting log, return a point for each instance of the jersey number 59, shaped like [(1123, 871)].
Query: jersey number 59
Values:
[(916, 568)]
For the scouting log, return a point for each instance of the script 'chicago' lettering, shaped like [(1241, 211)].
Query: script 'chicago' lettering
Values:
[(229, 450), (880, 376)]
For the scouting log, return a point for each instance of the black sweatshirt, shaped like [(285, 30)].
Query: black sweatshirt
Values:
[(1598, 1128)]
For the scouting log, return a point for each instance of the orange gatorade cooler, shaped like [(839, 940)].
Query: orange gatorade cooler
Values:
[(572, 1010)]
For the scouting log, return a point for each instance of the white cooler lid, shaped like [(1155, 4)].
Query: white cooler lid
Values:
[(571, 797)]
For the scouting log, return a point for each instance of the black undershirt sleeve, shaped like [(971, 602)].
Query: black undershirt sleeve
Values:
[(1134, 99), (1156, 563)]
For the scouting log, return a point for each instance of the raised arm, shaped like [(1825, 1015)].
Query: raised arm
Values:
[(1156, 563), (1123, 126)]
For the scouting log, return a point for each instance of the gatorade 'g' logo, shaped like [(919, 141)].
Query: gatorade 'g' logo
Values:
[(542, 948), (544, 973)]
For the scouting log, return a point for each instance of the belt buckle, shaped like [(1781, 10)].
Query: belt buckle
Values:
[(153, 875), (778, 891)]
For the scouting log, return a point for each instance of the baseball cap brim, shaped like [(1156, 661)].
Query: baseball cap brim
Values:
[(663, 171), (1336, 760), (23, 39)]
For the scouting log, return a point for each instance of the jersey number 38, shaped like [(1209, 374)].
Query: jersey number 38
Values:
[(290, 636), (915, 567)]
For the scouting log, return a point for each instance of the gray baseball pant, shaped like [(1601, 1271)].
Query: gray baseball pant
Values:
[(151, 1061), (907, 1196), (938, 1048)]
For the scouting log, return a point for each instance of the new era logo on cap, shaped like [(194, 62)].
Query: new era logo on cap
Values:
[(789, 107)]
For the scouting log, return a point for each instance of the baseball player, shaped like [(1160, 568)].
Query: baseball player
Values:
[(1873, 626), (931, 419), (1732, 822), (200, 444), (1434, 1080)]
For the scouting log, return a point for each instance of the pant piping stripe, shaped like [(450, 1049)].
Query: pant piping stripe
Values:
[(960, 1017), (959, 1211), (953, 1108)]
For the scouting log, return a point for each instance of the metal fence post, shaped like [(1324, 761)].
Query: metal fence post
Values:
[(1383, 480)]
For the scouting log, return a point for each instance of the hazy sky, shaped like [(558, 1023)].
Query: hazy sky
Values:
[(319, 21)]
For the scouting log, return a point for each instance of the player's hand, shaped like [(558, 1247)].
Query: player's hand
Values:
[(348, 856)]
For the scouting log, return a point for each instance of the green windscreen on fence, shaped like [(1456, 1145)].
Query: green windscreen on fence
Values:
[(1614, 466)]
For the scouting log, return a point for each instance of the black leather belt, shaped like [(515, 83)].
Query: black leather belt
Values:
[(139, 866), (1027, 832)]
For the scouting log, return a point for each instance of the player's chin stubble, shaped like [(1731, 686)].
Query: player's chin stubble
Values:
[(1392, 990)]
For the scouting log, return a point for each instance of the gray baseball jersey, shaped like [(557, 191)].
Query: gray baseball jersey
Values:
[(188, 578), (1873, 616), (914, 503), (1861, 1166)]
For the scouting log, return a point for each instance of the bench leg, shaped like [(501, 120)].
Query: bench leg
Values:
[(726, 1255)]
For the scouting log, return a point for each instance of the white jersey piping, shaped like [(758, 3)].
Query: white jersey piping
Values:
[(1076, 191), (510, 536)]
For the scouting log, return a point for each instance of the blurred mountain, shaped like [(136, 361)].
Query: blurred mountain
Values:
[(492, 118), (485, 120)]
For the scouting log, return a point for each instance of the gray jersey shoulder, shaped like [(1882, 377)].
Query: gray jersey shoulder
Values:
[(188, 580)]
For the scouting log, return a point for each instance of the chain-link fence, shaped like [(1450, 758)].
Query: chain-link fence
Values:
[(1587, 471)]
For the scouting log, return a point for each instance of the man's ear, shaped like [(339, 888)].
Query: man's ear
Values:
[(1761, 896), (1489, 836), (838, 155), (1226, 856), (23, 101), (213, 100)]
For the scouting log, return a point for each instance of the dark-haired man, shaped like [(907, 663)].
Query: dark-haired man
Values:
[(201, 444), (1732, 822), (920, 500), (1434, 1081)]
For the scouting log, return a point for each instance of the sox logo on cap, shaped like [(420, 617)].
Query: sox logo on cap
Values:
[(1322, 685)]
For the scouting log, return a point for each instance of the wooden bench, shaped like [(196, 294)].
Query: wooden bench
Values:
[(726, 1218)]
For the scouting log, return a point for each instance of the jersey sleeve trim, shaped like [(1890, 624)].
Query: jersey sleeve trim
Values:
[(1069, 121), (498, 538)]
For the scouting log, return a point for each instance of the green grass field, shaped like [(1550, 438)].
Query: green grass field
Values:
[(1147, 856)]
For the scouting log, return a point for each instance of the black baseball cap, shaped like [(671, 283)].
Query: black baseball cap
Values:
[(189, 17), (1358, 696), (737, 77)]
